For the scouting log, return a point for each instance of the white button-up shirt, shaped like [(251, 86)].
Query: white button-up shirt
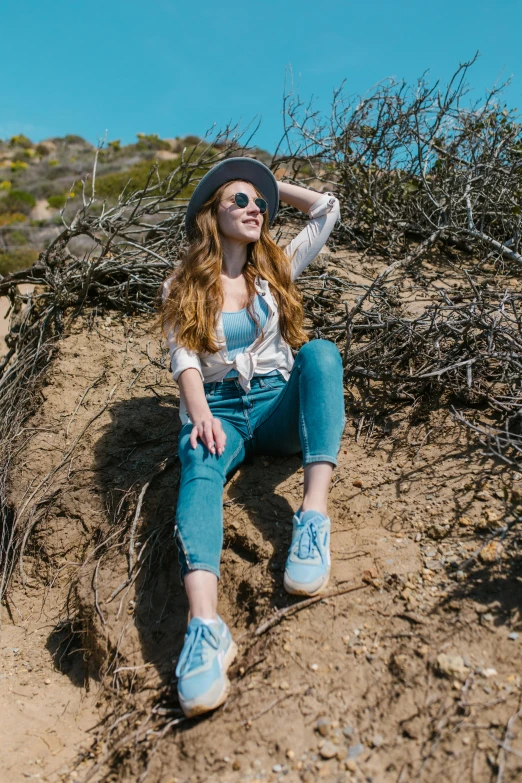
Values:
[(269, 352)]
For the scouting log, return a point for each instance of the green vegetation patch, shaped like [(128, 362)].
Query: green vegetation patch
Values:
[(110, 186), (20, 141), (17, 237), (57, 202), (10, 218), (17, 201), (135, 178), (16, 260), (151, 141), (18, 165)]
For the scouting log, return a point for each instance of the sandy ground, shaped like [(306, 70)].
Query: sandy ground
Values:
[(44, 717), (4, 323), (4, 319), (415, 675)]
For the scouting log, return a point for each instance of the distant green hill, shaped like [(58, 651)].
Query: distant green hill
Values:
[(36, 179)]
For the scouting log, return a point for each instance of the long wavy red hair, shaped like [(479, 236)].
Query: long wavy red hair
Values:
[(195, 296)]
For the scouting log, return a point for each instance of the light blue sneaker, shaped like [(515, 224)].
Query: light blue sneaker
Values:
[(207, 653), (308, 563)]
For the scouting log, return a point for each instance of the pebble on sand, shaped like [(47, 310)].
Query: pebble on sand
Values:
[(323, 726), (328, 750), (452, 666)]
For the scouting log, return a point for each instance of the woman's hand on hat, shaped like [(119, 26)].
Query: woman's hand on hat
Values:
[(210, 432)]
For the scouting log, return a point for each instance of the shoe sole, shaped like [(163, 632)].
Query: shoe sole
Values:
[(298, 588), (191, 709)]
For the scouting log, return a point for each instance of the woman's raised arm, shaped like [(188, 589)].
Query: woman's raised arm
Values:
[(296, 196), (323, 211)]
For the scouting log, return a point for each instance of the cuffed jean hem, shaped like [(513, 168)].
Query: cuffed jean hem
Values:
[(186, 565), (311, 458), (185, 568), (199, 567)]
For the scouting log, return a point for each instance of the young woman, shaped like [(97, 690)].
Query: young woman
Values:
[(232, 314)]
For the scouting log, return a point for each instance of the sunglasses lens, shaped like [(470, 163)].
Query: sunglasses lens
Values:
[(261, 203), (241, 199)]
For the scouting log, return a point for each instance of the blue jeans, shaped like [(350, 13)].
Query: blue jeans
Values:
[(277, 417)]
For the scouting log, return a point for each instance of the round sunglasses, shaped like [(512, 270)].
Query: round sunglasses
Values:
[(242, 200)]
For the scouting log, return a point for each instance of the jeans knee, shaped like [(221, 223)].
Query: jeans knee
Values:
[(321, 354), (198, 460)]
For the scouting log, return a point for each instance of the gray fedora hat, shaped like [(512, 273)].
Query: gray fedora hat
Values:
[(248, 169)]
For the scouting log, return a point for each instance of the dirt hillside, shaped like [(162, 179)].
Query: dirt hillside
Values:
[(409, 670)]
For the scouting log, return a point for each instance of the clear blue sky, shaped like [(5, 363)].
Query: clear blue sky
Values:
[(174, 68)]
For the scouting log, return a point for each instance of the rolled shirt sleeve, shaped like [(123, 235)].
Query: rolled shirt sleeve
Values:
[(180, 358), (323, 215)]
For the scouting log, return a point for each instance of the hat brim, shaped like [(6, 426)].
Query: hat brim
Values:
[(248, 169)]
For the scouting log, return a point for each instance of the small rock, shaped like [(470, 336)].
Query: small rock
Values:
[(513, 636), (465, 522), (433, 565), (483, 496), (284, 686), (323, 726), (348, 731), (452, 666), (358, 483), (355, 750), (438, 532), (487, 673), (314, 667), (277, 768), (493, 518), (328, 750), (47, 681), (377, 740), (236, 765), (430, 552), (491, 552), (350, 765), (290, 755), (418, 537), (490, 521)]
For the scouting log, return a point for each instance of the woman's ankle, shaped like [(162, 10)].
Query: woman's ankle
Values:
[(320, 507), (201, 589)]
